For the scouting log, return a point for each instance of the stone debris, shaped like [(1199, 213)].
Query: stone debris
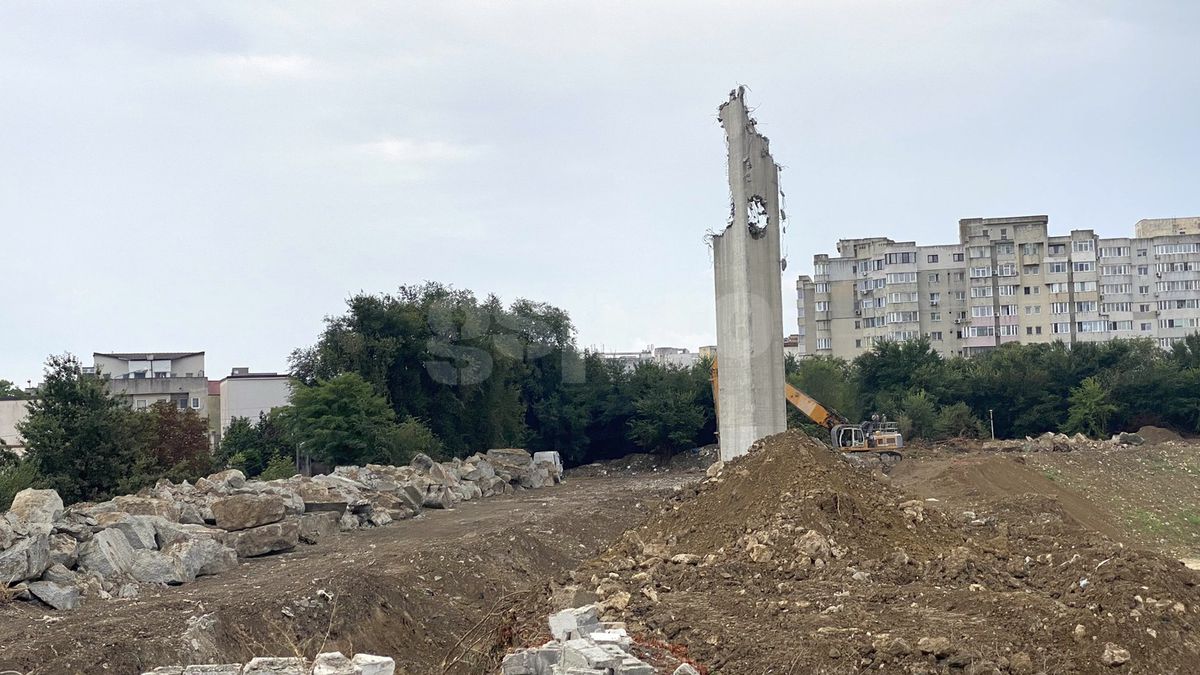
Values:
[(1058, 442), (173, 533), (329, 663), (582, 644)]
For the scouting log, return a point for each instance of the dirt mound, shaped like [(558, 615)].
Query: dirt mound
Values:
[(793, 561), (1158, 435)]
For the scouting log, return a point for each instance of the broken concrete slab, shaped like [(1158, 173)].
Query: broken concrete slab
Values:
[(276, 666), (56, 595), (25, 559), (318, 526), (108, 553), (244, 511), (264, 539), (34, 511), (370, 664)]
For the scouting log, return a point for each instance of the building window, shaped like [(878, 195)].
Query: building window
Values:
[(140, 404), (1084, 286), (1056, 267), (1033, 309), (824, 344), (1085, 266), (1031, 269), (980, 251), (934, 298), (1060, 308), (936, 336), (981, 272), (183, 404), (1141, 253), (821, 305), (1143, 289), (196, 403), (960, 295), (983, 311), (958, 257), (1145, 326), (1060, 328), (900, 258), (1008, 330), (858, 344), (1056, 249), (902, 278), (931, 258), (822, 287), (1004, 249), (1031, 249), (935, 316), (1087, 306), (1081, 246), (935, 278)]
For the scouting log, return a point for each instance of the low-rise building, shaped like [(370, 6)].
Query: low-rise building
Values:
[(12, 412), (247, 394), (141, 379)]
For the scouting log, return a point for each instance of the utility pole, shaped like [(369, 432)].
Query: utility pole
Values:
[(992, 423)]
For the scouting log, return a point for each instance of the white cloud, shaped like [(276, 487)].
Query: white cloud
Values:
[(419, 151), (263, 66)]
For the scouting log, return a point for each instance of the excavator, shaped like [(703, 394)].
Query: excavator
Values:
[(869, 443)]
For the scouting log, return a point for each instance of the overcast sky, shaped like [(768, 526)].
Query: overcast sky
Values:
[(221, 176)]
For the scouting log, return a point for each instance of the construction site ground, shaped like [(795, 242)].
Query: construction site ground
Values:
[(1057, 541)]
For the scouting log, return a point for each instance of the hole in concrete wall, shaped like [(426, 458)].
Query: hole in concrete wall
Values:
[(756, 217)]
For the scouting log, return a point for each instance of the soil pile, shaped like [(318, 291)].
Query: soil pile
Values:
[(1158, 435), (791, 560)]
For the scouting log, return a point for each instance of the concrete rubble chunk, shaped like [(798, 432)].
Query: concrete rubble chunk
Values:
[(56, 595), (334, 663), (538, 661), (318, 526), (256, 541), (1114, 655), (369, 664), (165, 670), (26, 559), (270, 665), (685, 669), (136, 505), (244, 511), (575, 623), (421, 462), (34, 511), (138, 530), (583, 653), (202, 557), (214, 669), (155, 567), (64, 550)]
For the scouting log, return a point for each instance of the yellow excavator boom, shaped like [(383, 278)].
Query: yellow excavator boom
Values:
[(806, 404)]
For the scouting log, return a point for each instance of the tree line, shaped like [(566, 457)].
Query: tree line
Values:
[(429, 369), (1094, 388)]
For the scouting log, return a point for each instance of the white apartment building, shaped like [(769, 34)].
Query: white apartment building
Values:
[(1007, 280), (142, 379), (247, 394)]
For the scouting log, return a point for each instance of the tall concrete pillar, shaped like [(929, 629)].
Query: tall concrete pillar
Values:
[(749, 301)]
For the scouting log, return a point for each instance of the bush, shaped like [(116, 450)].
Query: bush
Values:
[(14, 477), (279, 468), (412, 437), (957, 421)]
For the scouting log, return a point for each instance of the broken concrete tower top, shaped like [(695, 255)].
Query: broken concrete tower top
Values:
[(746, 259)]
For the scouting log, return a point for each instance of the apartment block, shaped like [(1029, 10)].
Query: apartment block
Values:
[(142, 379), (1006, 280)]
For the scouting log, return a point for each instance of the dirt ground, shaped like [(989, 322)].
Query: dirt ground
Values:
[(791, 561), (435, 593), (959, 561), (1147, 495)]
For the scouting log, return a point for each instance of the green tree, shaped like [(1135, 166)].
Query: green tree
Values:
[(957, 421), (920, 413), (167, 442), (76, 433), (666, 416), (9, 390), (1090, 409), (343, 420), (253, 447)]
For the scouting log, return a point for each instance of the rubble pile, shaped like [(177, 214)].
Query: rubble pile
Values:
[(329, 663), (584, 645), (174, 533), (790, 556), (1059, 442)]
